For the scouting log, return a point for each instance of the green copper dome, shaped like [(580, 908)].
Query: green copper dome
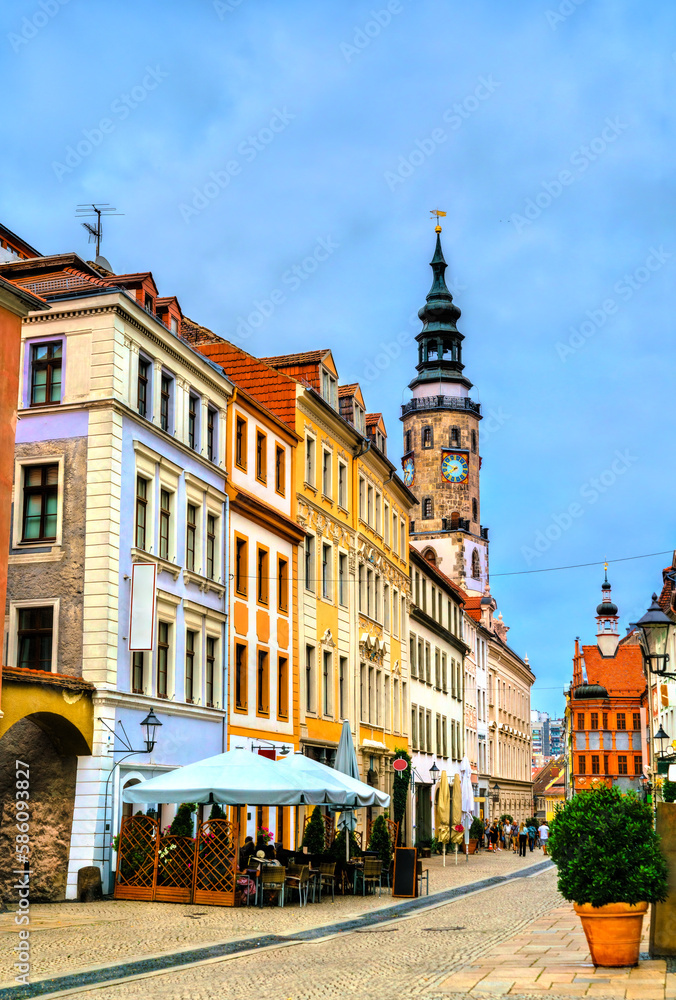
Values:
[(439, 341)]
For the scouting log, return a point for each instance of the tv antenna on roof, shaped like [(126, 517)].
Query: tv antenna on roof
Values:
[(95, 231)]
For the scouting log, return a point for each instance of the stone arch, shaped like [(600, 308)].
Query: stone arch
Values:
[(50, 745)]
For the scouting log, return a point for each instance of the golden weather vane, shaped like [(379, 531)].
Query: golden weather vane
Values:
[(440, 215)]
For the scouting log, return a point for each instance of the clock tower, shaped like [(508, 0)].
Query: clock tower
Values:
[(441, 459)]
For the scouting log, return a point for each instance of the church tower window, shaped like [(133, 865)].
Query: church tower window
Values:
[(427, 439), (427, 509), (455, 435), (476, 565), (407, 441), (475, 510)]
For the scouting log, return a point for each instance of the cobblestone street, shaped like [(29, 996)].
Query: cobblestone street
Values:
[(67, 937), (413, 957)]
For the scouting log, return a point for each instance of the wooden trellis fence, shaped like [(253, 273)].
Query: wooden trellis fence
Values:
[(177, 869)]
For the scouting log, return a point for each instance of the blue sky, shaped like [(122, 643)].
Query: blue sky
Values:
[(234, 136)]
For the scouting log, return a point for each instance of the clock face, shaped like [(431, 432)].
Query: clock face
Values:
[(409, 471), (454, 467)]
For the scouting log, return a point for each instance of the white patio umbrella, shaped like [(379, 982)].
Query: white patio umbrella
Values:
[(354, 792), (346, 763), (467, 798), (235, 778)]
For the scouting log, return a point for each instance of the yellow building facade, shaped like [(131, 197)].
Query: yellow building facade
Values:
[(353, 573)]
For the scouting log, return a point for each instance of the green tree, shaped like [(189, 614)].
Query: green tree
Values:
[(313, 838), (606, 850), (379, 841), (217, 812), (182, 823)]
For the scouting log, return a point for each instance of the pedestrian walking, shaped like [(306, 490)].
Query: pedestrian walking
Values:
[(532, 834), (523, 840), (515, 836), (507, 834), (544, 835), (494, 837)]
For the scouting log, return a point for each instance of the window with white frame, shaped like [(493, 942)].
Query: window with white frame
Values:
[(342, 485), (310, 460), (342, 579), (326, 571), (327, 459)]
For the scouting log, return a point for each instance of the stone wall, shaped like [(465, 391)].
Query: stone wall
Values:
[(45, 576), (52, 795)]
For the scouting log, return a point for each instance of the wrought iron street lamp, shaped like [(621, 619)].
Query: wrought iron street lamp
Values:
[(661, 736), (151, 723), (654, 629), (495, 793), (434, 773)]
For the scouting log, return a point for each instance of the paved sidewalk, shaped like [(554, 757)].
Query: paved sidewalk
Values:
[(550, 958), (66, 937)]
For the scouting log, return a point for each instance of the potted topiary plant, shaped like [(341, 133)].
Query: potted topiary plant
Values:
[(475, 834), (379, 841), (313, 838), (610, 866)]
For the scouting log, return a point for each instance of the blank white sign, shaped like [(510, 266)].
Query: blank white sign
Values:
[(142, 615)]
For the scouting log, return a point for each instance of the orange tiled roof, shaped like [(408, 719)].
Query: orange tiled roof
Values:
[(473, 608), (347, 390), (621, 674), (60, 281), (26, 675), (303, 358), (272, 388)]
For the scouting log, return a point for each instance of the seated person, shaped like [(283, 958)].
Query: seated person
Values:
[(245, 852)]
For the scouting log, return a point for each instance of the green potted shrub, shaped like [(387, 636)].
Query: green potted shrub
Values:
[(313, 838), (475, 833), (610, 866), (379, 841)]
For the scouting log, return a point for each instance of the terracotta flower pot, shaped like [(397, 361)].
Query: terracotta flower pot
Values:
[(613, 931), (472, 847)]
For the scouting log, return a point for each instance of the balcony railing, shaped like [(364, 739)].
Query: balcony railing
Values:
[(441, 403)]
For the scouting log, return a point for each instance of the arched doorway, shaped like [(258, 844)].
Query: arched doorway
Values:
[(50, 746)]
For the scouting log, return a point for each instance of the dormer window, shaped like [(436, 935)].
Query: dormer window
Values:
[(329, 388), (359, 419)]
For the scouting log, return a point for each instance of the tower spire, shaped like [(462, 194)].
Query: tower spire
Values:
[(440, 341), (607, 620)]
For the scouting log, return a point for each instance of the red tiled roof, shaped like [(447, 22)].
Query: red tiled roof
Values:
[(621, 674), (64, 279), (473, 608), (273, 389), (27, 676), (303, 358), (347, 390)]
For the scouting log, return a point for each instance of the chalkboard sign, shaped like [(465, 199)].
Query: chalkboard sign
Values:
[(404, 882)]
